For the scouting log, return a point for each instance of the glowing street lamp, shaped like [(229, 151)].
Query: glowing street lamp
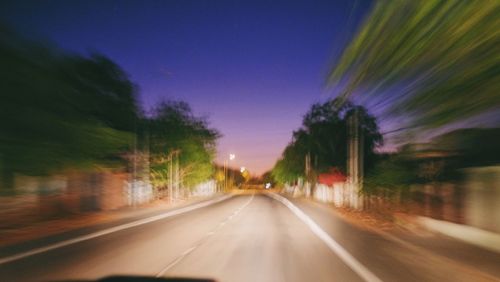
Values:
[(242, 169), (231, 157)]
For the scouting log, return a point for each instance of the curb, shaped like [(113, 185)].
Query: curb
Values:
[(109, 230), (472, 235)]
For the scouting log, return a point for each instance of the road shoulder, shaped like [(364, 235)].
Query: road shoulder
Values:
[(52, 232), (415, 238)]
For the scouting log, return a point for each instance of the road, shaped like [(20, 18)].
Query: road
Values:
[(249, 237)]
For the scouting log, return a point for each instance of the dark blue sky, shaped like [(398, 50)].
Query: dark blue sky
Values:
[(252, 67)]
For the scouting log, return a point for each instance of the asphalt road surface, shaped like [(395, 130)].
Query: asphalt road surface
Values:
[(249, 237)]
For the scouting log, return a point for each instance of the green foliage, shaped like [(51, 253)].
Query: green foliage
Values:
[(290, 166), (173, 127), (443, 55), (323, 135), (60, 111), (390, 174), (471, 146)]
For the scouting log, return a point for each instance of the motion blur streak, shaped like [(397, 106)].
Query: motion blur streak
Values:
[(441, 56), (250, 140)]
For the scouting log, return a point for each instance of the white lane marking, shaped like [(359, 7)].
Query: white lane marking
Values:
[(200, 242), (345, 256), (188, 250), (112, 230)]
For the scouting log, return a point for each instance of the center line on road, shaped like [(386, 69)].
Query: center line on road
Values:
[(202, 240), (345, 256)]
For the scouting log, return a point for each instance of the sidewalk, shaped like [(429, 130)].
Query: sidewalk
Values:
[(472, 235), (478, 229), (82, 222)]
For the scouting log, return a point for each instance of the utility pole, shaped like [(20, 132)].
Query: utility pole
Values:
[(308, 173), (355, 158), (177, 183), (171, 182), (225, 175), (308, 164), (134, 173), (226, 168)]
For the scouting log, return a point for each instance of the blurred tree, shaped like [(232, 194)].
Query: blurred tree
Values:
[(442, 56), (171, 127), (323, 136), (392, 173), (60, 111)]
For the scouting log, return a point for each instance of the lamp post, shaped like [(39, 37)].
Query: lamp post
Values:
[(226, 164)]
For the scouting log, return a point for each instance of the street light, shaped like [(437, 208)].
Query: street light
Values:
[(242, 169), (231, 157)]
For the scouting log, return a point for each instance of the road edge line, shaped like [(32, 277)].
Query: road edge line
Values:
[(342, 253), (113, 229)]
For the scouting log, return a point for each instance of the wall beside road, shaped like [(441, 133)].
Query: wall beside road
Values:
[(40, 198), (474, 201), (34, 199), (482, 198)]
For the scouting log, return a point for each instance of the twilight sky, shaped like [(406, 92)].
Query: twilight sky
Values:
[(252, 67)]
